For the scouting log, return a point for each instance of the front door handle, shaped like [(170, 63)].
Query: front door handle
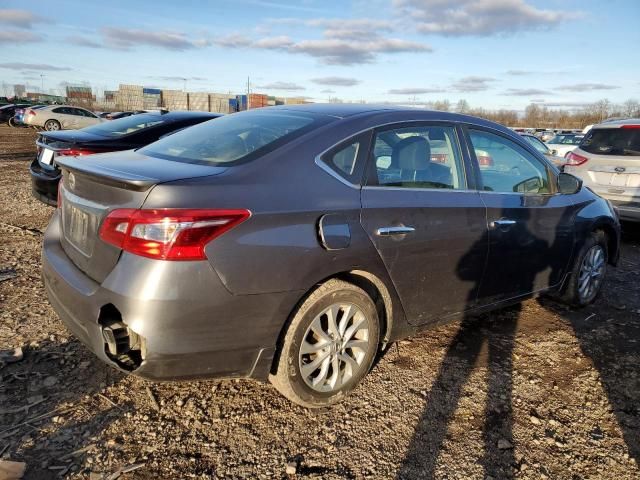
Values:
[(388, 231), (503, 222)]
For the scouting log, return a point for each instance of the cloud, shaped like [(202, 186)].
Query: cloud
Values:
[(35, 67), (180, 79), (20, 18), (327, 90), (587, 87), (519, 73), (17, 37), (360, 47), (336, 81), (479, 17), (359, 28), (126, 38), (526, 92), (81, 41), (566, 104), (415, 91), (287, 86), (473, 84)]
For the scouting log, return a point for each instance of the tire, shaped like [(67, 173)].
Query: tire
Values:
[(52, 125), (12, 122), (573, 294), (355, 314)]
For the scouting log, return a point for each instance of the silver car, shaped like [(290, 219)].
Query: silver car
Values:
[(60, 117), (608, 161)]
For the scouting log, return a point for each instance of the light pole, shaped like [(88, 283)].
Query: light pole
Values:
[(41, 83)]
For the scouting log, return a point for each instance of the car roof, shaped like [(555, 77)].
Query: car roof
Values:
[(341, 110), (618, 123), (182, 114)]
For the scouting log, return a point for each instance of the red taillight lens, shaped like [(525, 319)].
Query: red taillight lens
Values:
[(630, 127), (30, 112), (485, 160), (439, 157), (574, 159), (74, 152), (168, 234)]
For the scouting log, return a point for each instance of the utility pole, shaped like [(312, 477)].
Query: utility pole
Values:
[(248, 93), (184, 84), (41, 83)]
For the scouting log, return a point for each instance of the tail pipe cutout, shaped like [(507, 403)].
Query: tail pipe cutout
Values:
[(121, 344)]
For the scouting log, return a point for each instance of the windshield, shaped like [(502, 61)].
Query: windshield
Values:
[(125, 126), (537, 144), (241, 136), (566, 139), (612, 141)]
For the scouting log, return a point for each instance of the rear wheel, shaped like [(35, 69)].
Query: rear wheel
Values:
[(588, 272), (329, 346), (52, 125)]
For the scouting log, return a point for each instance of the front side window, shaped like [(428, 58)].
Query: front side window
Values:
[(506, 167), (612, 141), (233, 138), (426, 156), (537, 144)]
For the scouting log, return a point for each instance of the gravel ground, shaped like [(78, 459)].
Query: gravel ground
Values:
[(537, 391)]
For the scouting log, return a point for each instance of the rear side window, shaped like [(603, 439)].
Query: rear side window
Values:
[(234, 138), (612, 141), (424, 156)]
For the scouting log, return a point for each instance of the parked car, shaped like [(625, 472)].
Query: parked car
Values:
[(562, 144), (8, 111), (124, 134), (294, 243), (543, 149), (60, 117), (608, 161), (18, 117), (546, 135)]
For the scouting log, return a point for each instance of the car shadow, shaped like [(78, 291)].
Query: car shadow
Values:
[(48, 422)]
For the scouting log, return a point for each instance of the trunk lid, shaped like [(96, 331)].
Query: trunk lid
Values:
[(618, 171), (95, 185)]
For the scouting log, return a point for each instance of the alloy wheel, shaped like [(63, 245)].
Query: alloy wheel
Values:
[(334, 347), (591, 273)]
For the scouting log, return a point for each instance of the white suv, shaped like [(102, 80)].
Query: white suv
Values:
[(608, 161)]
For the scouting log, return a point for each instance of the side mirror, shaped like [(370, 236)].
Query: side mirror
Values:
[(568, 184), (554, 152)]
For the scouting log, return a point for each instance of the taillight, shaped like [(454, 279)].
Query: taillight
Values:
[(168, 234), (439, 157), (74, 152), (574, 159), (30, 112), (485, 160), (630, 127)]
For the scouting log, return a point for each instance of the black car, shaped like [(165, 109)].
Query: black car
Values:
[(123, 134)]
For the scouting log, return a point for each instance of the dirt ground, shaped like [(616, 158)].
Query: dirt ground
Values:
[(538, 391)]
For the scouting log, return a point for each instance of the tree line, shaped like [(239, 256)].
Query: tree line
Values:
[(538, 115)]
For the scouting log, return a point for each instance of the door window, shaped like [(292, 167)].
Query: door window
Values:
[(506, 167), (425, 156)]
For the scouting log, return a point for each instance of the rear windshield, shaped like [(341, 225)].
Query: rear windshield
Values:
[(566, 139), (125, 126), (233, 138), (612, 141)]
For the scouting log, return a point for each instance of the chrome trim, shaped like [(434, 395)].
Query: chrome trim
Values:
[(388, 231), (502, 223), (416, 189), (330, 171)]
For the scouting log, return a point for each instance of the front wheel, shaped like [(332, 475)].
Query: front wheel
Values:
[(329, 345), (588, 272), (52, 125)]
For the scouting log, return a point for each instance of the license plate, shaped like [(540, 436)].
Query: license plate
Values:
[(78, 226), (46, 156)]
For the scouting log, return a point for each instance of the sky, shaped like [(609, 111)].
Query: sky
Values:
[(493, 53)]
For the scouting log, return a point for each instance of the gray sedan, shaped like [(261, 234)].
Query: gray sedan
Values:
[(295, 243)]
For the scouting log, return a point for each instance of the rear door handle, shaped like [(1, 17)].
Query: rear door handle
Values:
[(502, 223), (387, 231)]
